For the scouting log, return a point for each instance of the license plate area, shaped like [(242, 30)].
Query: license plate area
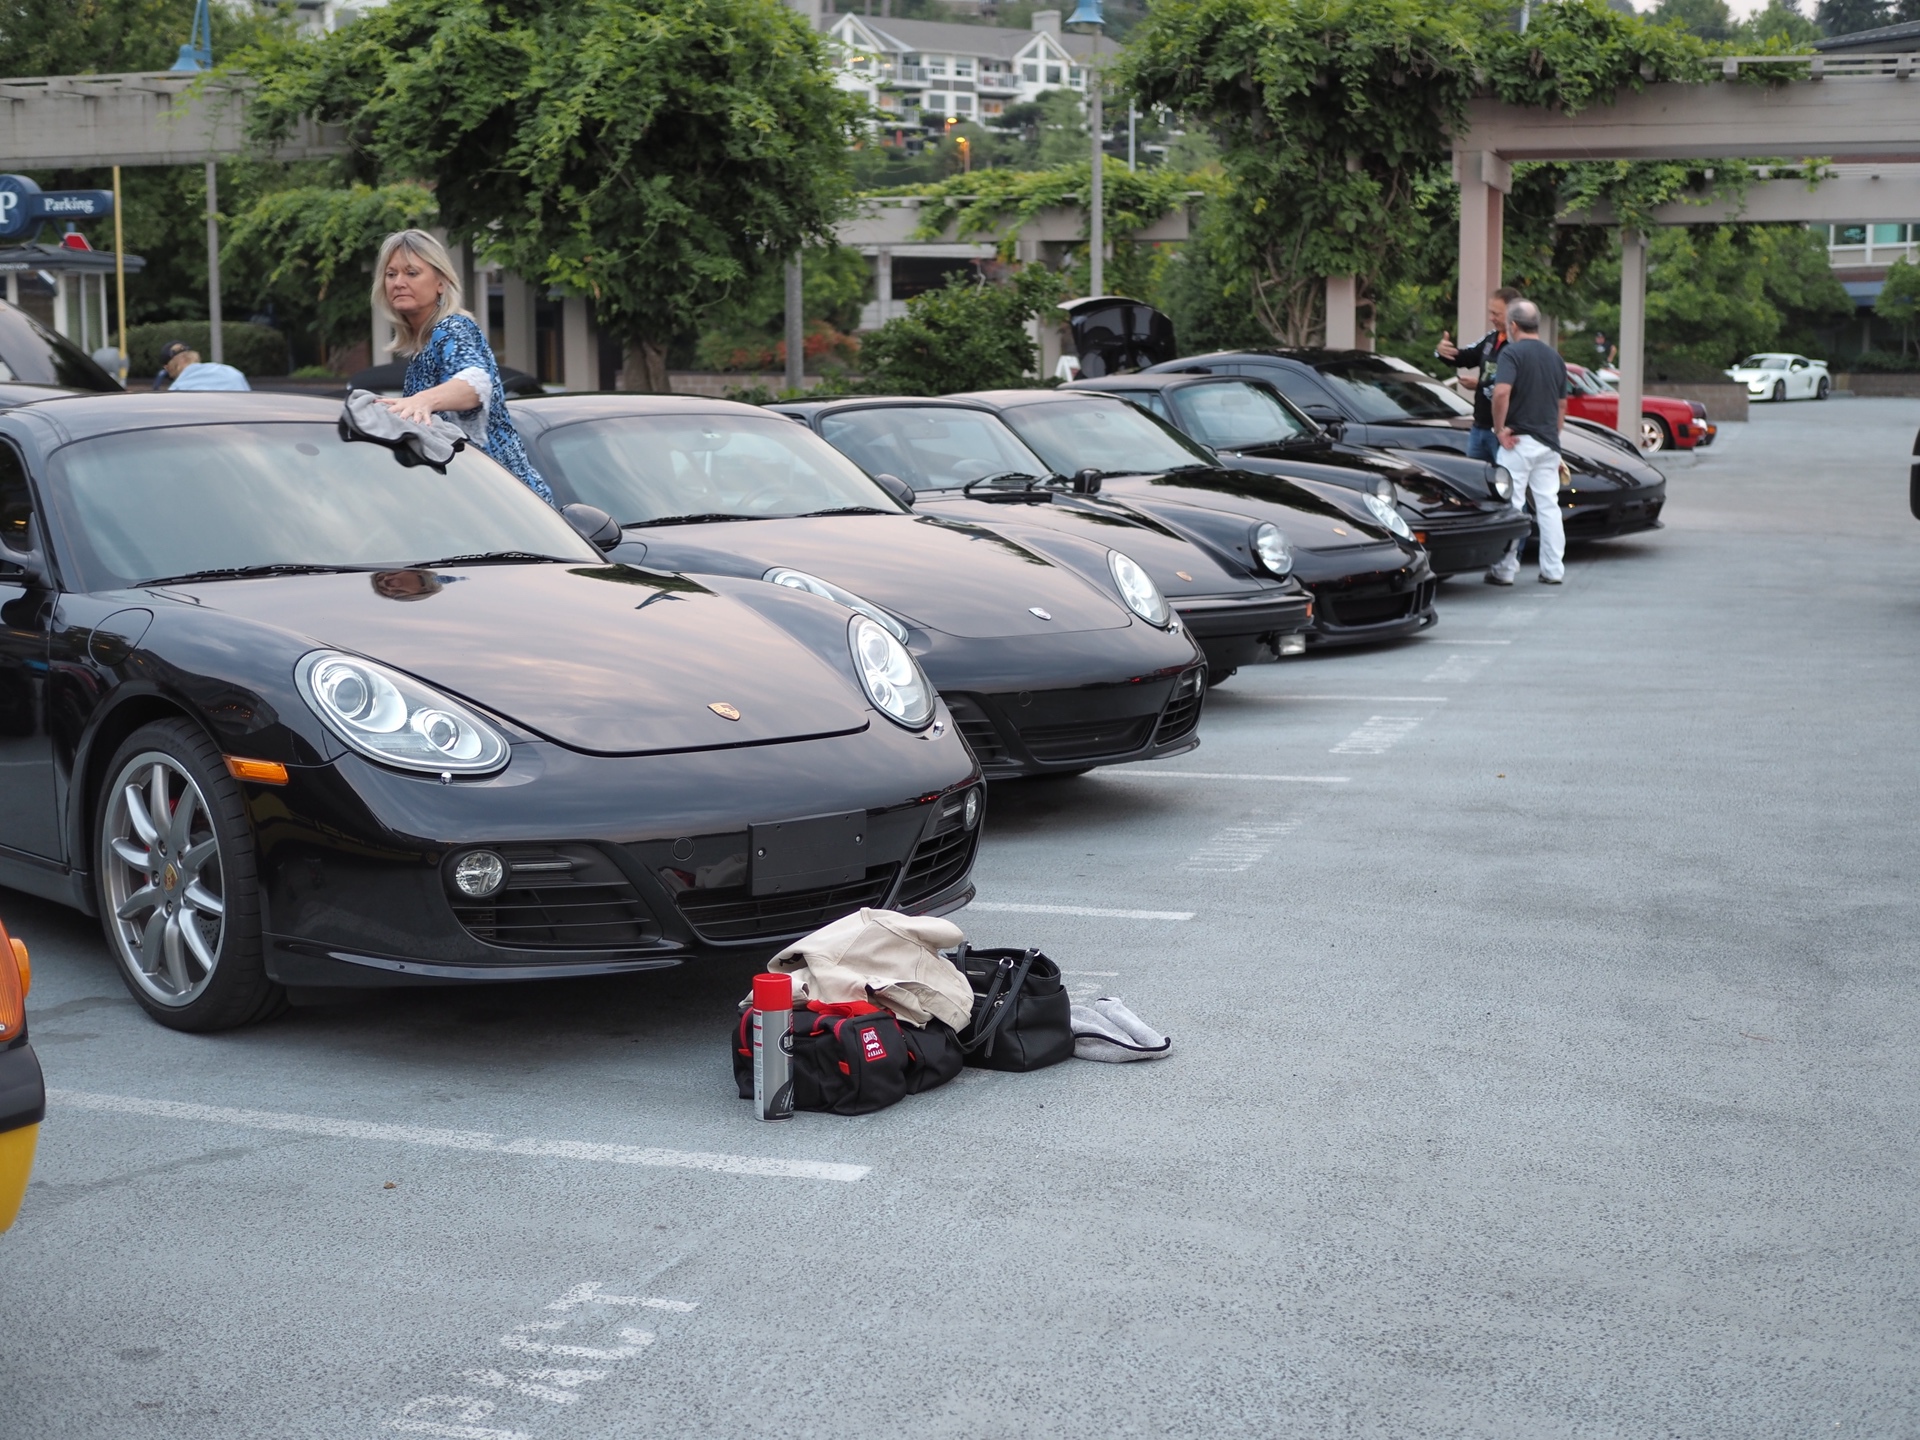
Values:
[(809, 854)]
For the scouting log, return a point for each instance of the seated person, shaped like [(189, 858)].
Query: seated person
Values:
[(185, 370)]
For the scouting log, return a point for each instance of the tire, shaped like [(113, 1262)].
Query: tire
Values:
[(1779, 390), (1823, 389), (1654, 435), (192, 895)]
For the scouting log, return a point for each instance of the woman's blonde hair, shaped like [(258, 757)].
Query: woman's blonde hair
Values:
[(406, 339)]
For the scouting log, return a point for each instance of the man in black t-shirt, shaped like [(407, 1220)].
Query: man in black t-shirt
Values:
[(1529, 407), (1481, 357)]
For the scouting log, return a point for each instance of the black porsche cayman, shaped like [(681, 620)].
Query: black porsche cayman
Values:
[(1055, 651), (1368, 582), (1463, 513), (284, 712)]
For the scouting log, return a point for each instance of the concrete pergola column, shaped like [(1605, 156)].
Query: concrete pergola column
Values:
[(579, 345), (1633, 330), (519, 342), (1484, 180), (1343, 319)]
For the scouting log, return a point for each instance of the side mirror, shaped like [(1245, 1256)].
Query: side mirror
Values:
[(26, 564), (897, 488), (1326, 417), (593, 525), (1086, 482)]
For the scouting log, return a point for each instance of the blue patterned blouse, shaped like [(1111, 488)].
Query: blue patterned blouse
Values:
[(458, 351)]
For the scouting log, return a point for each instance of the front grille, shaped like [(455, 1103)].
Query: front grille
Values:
[(1088, 739), (736, 914), (1184, 711), (562, 897), (1374, 609), (938, 861), (978, 731)]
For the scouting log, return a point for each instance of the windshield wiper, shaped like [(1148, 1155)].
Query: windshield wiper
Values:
[(689, 520), (1010, 477), (248, 572), (842, 510), (485, 557)]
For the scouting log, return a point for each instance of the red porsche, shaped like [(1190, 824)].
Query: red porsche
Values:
[(1665, 423)]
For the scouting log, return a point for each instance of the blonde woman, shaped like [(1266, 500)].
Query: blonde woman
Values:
[(452, 371)]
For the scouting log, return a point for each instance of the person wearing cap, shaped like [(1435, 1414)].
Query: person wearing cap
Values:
[(184, 370), (452, 372)]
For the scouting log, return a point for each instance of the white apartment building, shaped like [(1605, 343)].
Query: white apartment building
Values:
[(926, 71)]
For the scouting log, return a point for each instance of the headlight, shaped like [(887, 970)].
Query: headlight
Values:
[(1502, 483), (1143, 597), (814, 585), (1388, 515), (1271, 546), (395, 719), (891, 678), (1383, 487)]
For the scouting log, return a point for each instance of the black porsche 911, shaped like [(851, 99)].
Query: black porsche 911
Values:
[(1056, 652), (1368, 583), (285, 712), (1466, 519), (959, 461), (1380, 401)]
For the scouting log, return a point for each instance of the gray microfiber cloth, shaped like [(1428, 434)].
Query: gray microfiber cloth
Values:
[(1107, 1030), (365, 418)]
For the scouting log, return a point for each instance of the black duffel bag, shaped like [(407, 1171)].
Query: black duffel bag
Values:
[(854, 1059), (1022, 1019)]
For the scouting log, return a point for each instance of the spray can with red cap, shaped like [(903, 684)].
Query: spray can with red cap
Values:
[(773, 1047)]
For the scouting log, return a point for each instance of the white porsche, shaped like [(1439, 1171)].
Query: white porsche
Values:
[(1783, 377)]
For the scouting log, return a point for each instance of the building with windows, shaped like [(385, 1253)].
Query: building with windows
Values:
[(927, 72)]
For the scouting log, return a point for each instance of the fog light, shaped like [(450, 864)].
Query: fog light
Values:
[(971, 815), (1293, 644), (480, 873)]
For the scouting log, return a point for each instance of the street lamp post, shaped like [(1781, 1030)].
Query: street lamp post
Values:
[(1088, 13)]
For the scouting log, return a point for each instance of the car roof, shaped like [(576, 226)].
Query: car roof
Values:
[(565, 409), (1304, 355), (77, 416), (810, 408), (17, 392)]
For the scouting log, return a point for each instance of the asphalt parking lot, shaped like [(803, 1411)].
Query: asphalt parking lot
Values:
[(1543, 994)]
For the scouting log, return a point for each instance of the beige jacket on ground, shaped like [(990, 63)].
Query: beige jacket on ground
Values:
[(894, 956)]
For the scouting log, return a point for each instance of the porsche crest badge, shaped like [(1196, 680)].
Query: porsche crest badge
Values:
[(724, 710), (1036, 610)]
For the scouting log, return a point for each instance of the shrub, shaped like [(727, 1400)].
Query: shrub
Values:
[(1883, 362), (250, 349), (969, 335)]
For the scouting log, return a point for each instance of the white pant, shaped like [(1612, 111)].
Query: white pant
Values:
[(1535, 467)]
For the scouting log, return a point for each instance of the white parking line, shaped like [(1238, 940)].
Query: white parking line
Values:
[(1238, 848), (329, 1128), (1469, 642), (1376, 699), (1007, 907), (1134, 773), (1458, 667), (1378, 735)]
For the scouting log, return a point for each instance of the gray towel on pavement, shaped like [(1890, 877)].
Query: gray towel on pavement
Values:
[(1107, 1030), (365, 418)]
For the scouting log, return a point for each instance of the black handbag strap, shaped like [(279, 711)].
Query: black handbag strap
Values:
[(997, 1005)]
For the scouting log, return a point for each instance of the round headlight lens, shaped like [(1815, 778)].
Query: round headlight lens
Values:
[(1389, 516), (1502, 483), (1143, 597), (1383, 487), (479, 873), (1271, 546), (891, 678), (970, 816), (826, 590), (393, 718)]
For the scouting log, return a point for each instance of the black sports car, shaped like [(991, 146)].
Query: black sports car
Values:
[(1367, 583), (961, 462), (284, 711), (1380, 401), (1466, 521), (1056, 652)]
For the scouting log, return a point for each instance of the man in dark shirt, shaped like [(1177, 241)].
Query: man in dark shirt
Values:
[(1529, 407), (1480, 358)]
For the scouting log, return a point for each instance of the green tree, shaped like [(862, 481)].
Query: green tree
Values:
[(1780, 24), (657, 155), (106, 37), (1708, 19), (969, 335), (1850, 17), (1900, 301)]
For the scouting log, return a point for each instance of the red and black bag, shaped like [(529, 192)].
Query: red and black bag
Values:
[(854, 1058)]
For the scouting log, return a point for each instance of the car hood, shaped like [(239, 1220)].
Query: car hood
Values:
[(1308, 520), (957, 578), (607, 659)]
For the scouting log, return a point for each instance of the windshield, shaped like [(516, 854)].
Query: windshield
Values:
[(1387, 395), (936, 448), (1110, 436), (146, 504), (645, 469), (1586, 382), (1236, 415), (1762, 362)]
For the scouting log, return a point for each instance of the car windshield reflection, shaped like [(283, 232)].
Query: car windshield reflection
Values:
[(1110, 436), (659, 469), (1384, 395), (1236, 415), (935, 448), (1763, 362), (147, 504)]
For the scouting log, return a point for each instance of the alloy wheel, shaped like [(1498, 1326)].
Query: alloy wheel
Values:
[(164, 881), (1653, 435)]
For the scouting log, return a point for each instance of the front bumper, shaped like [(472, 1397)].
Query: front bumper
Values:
[(1067, 731), (1233, 630), (23, 1104), (1604, 516), (1456, 546), (615, 864), (1365, 595)]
